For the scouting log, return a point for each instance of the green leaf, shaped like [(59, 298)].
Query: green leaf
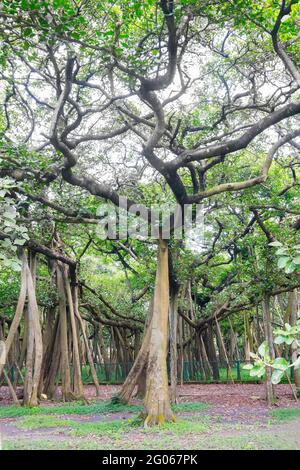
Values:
[(263, 349), (19, 241), (277, 376), (281, 363), (281, 251), (59, 4), (279, 339), (257, 371), (283, 261), (27, 32), (9, 215), (289, 340), (290, 267), (275, 244)]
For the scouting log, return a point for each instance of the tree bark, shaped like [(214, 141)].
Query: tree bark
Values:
[(266, 312), (19, 311), (63, 330), (73, 304), (211, 352), (140, 363), (37, 335), (157, 400), (207, 368), (89, 354), (173, 326)]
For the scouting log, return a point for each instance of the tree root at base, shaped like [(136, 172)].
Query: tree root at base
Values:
[(157, 419)]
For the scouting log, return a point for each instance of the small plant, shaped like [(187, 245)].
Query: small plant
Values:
[(289, 260), (288, 335)]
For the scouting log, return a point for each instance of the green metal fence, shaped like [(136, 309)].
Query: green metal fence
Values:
[(188, 372)]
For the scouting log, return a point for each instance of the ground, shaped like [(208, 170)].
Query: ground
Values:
[(214, 416)]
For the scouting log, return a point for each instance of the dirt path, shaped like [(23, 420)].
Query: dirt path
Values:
[(222, 394)]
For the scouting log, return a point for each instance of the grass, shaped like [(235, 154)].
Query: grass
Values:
[(96, 408), (110, 429), (285, 414), (257, 441), (117, 429), (190, 407), (67, 408), (37, 422), (182, 427), (246, 441), (195, 431), (113, 429), (41, 444), (182, 435)]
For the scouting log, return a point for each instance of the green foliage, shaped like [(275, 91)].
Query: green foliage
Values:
[(288, 335), (14, 234), (288, 257)]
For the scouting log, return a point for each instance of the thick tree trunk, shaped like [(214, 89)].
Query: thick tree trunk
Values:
[(36, 363), (139, 367), (53, 362), (51, 324), (141, 384), (266, 312), (157, 401)]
